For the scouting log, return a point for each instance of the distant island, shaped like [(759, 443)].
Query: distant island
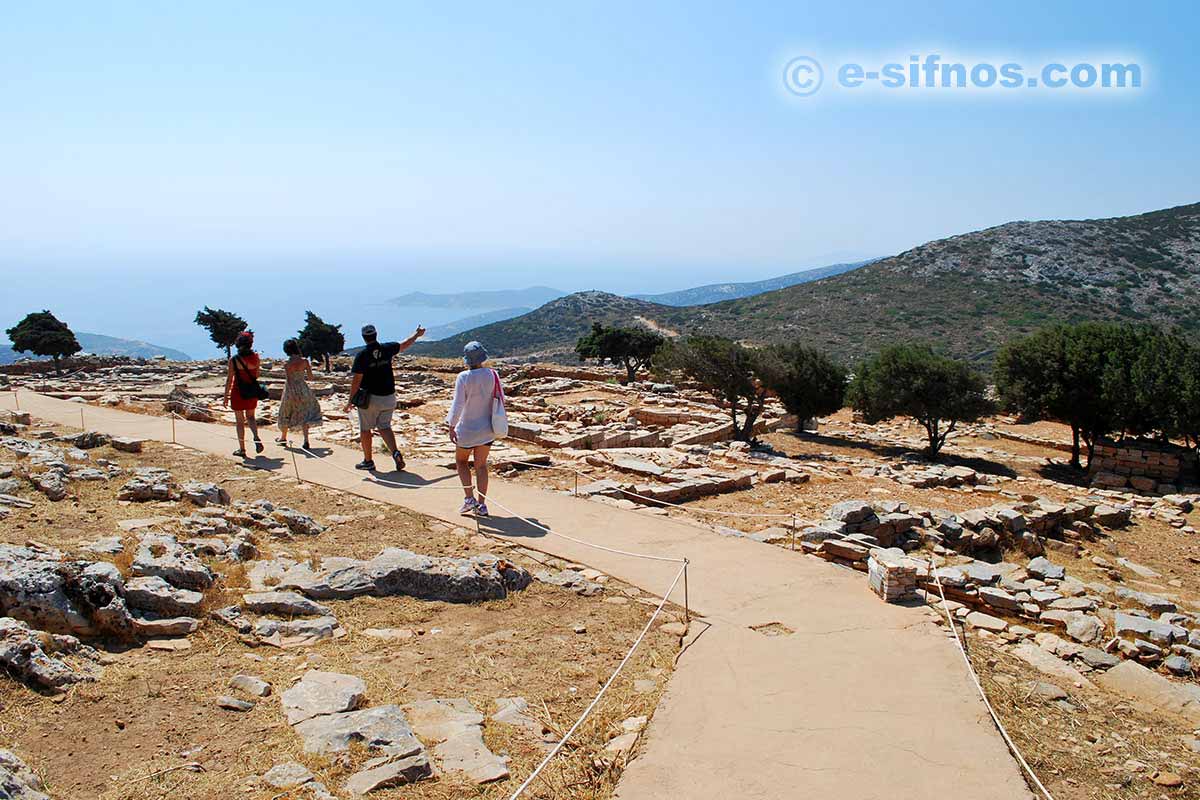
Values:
[(716, 292), (531, 297), (101, 345)]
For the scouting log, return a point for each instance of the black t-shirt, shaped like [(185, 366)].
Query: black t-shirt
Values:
[(374, 363)]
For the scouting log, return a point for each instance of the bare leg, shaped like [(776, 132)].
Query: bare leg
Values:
[(462, 462), (283, 431), (239, 418), (364, 439), (253, 423), (481, 469), (305, 429), (389, 438)]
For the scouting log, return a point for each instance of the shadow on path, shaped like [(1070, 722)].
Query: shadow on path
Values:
[(512, 526)]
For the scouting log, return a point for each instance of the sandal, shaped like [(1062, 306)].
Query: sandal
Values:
[(240, 452), (307, 446), (281, 441), (258, 445)]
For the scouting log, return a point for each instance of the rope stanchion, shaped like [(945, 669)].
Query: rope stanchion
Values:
[(296, 466), (983, 694)]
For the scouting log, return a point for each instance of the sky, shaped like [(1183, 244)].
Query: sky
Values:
[(271, 154)]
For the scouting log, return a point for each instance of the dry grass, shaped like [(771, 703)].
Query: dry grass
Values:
[(1100, 748), (133, 733)]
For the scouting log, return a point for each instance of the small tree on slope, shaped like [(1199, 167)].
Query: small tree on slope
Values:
[(632, 348), (912, 381), (725, 369)]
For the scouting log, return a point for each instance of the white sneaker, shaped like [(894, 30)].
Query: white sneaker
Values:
[(469, 505)]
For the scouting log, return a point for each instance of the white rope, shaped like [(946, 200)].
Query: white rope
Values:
[(978, 685), (662, 502), (377, 479), (562, 742)]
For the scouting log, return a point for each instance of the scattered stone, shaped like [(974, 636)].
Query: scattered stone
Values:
[(204, 494), (390, 634), (233, 704), (402, 572), (17, 781), (394, 773), (1042, 567), (1047, 691), (149, 484), (126, 444), (320, 693), (250, 685), (33, 657), (977, 619), (284, 604), (288, 775), (162, 555), (455, 726), (1135, 681), (154, 594)]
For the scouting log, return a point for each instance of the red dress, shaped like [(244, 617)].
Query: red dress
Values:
[(247, 367)]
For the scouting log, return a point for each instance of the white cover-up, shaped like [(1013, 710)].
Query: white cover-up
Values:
[(471, 411)]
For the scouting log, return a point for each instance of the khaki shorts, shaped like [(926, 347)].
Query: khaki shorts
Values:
[(378, 413)]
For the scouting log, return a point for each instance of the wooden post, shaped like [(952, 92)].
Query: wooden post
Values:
[(16, 399), (172, 427), (81, 425), (687, 610), (793, 531)]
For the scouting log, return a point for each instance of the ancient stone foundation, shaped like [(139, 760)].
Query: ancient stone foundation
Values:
[(893, 578), (1144, 466)]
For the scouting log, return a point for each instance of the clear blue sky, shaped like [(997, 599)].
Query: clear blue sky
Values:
[(624, 146)]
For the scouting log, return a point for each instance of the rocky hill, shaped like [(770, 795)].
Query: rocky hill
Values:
[(550, 331), (967, 294), (717, 292)]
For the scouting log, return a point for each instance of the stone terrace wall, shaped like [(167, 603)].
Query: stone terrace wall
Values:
[(1140, 464)]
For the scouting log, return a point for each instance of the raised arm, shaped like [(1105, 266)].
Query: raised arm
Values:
[(410, 341)]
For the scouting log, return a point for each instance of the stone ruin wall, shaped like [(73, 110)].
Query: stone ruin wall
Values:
[(1144, 466)]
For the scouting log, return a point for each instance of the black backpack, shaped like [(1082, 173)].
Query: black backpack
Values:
[(248, 387)]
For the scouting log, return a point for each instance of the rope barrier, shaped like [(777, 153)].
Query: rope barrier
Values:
[(681, 574), (983, 694), (563, 741), (712, 511)]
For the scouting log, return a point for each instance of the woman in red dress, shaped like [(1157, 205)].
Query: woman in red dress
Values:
[(243, 367)]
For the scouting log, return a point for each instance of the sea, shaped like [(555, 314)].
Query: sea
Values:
[(161, 308)]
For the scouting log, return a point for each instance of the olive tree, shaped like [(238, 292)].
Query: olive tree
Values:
[(912, 381), (43, 334), (632, 348), (731, 373)]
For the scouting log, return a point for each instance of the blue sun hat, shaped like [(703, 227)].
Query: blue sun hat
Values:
[(474, 354)]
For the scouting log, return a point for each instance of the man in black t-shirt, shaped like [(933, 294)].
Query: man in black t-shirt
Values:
[(373, 373)]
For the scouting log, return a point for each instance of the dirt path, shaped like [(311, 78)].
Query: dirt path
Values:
[(855, 698)]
